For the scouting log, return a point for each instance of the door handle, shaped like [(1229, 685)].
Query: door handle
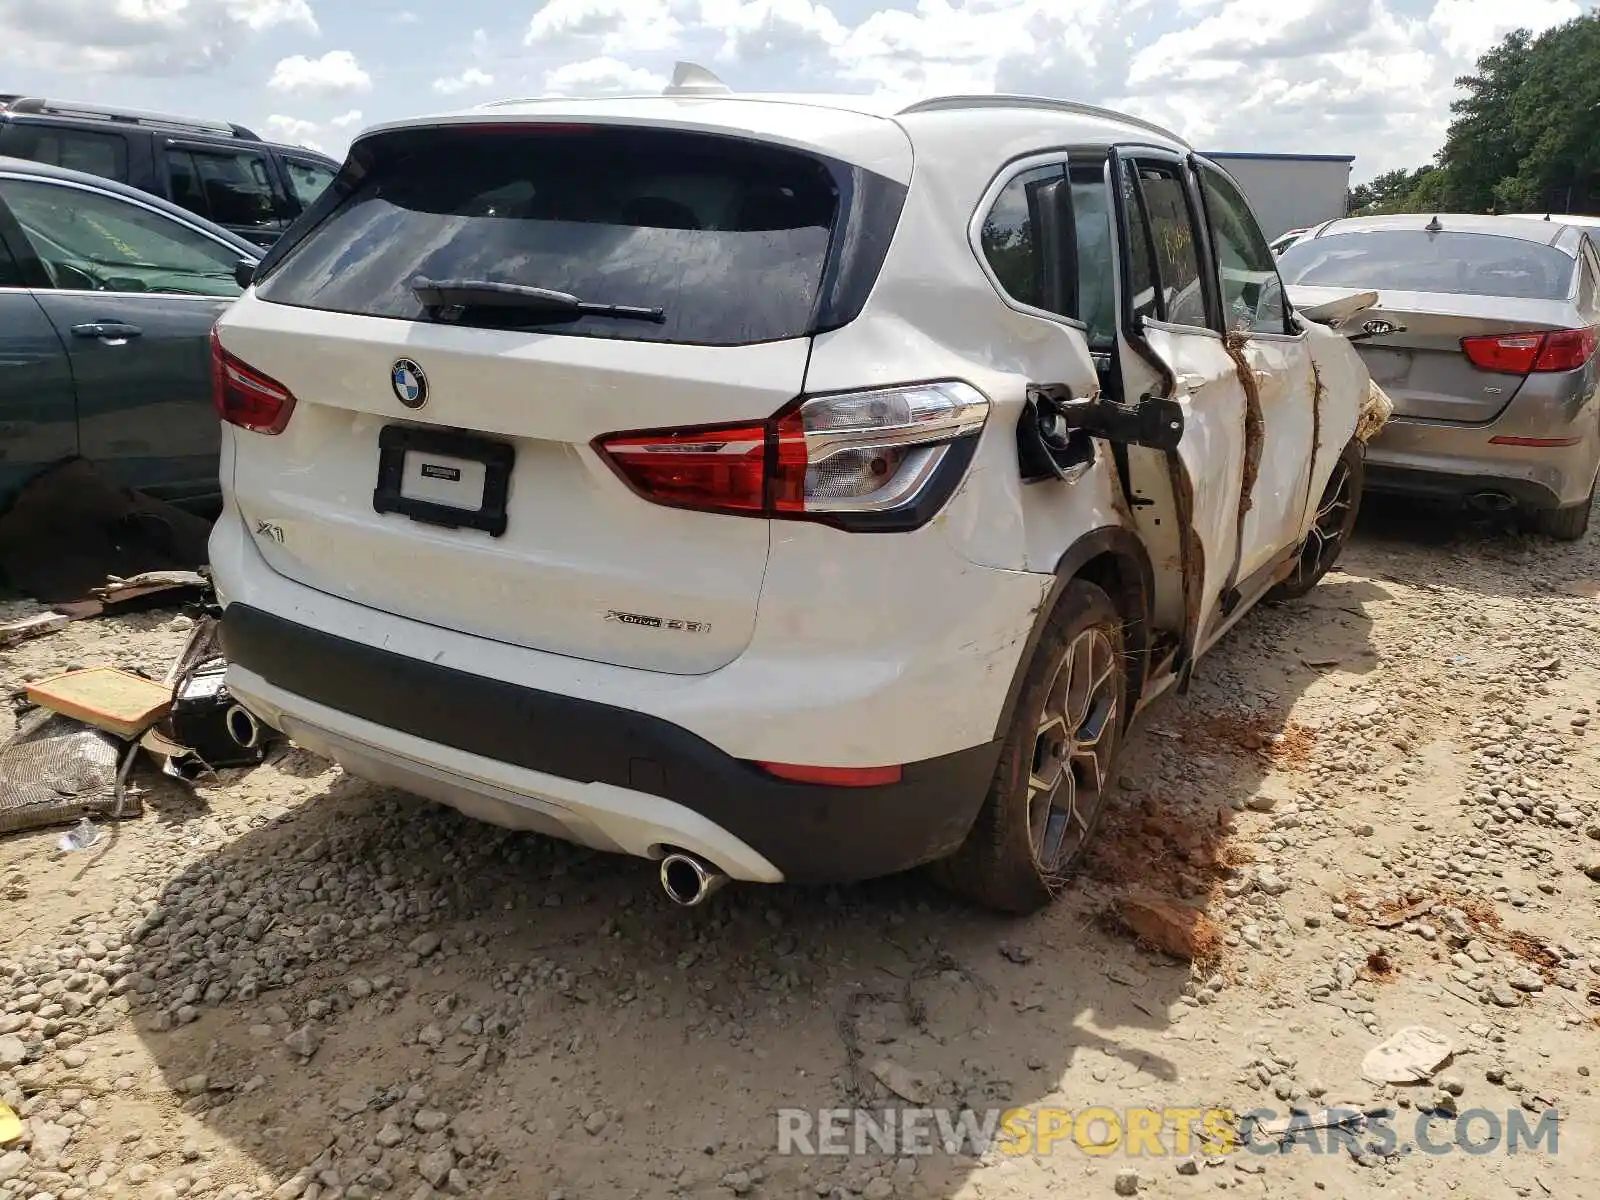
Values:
[(107, 330)]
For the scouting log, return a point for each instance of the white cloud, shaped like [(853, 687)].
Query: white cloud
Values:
[(330, 137), (335, 73), (772, 30), (599, 77), (1373, 78), (139, 37), (613, 26), (294, 130), (1467, 28), (404, 17), (468, 79), (255, 15)]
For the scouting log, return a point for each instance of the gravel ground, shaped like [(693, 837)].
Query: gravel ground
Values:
[(295, 985)]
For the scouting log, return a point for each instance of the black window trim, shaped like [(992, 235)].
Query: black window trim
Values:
[(1034, 160), (1130, 156), (1292, 331)]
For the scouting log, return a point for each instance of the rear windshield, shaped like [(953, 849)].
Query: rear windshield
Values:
[(1414, 260), (727, 238)]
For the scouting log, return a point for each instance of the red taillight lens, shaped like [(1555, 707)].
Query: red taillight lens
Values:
[(244, 396), (1525, 353), (1513, 354), (883, 458), (714, 470), (1566, 350), (834, 776)]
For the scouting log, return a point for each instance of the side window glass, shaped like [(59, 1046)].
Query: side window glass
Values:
[(89, 241), (1014, 241), (1252, 293), (1588, 283), (237, 188), (1091, 215), (306, 180), (183, 182), (1177, 250), (1141, 252), (102, 154)]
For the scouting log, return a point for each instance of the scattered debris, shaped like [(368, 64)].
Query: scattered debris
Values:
[(10, 1125), (916, 1087), (1413, 1055), (80, 837), (55, 771), (1175, 929), (116, 701), (28, 628), (1328, 1118)]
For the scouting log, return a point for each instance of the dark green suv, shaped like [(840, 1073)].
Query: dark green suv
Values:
[(215, 169)]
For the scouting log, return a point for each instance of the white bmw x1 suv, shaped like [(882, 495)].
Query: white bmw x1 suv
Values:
[(770, 486)]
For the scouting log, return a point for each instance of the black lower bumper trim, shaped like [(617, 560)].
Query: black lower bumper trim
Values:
[(812, 834), (1456, 489)]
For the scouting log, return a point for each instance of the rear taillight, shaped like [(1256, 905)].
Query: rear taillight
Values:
[(884, 459), (244, 396), (1528, 353)]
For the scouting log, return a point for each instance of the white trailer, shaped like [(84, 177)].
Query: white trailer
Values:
[(1290, 191)]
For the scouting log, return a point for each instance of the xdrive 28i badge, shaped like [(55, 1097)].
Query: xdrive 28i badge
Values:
[(409, 383)]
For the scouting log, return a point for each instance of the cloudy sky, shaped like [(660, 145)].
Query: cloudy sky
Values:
[(1371, 78)]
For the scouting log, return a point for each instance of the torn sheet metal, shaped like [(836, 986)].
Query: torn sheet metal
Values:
[(1376, 410), (1331, 306), (54, 771)]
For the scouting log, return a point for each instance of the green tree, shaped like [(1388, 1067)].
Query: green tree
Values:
[(1526, 135)]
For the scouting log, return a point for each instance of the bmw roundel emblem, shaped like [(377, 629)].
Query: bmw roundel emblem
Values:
[(409, 383)]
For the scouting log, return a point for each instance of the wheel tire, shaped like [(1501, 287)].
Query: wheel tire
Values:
[(1331, 528), (1565, 524), (1005, 863)]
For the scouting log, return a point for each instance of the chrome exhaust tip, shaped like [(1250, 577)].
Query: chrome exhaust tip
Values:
[(243, 727), (1492, 502), (687, 880)]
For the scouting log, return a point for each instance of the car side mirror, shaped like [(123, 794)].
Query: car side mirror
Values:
[(244, 272)]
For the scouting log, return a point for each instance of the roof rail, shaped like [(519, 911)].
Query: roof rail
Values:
[(1000, 100), (128, 116)]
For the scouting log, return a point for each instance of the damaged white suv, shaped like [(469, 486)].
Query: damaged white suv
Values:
[(773, 487)]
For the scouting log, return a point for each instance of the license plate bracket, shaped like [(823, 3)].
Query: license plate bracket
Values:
[(445, 466)]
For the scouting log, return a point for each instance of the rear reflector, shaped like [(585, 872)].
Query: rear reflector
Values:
[(244, 396), (1527, 353), (859, 777), (1532, 441)]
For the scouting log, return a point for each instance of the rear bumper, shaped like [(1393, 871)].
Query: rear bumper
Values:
[(603, 776), (1454, 463)]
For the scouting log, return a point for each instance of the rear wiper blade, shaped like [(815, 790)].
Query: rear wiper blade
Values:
[(459, 294)]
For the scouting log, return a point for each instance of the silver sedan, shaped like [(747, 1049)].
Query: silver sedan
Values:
[(1484, 335)]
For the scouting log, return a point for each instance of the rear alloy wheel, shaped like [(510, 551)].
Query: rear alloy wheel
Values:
[(1330, 528), (1057, 764), (1566, 524)]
